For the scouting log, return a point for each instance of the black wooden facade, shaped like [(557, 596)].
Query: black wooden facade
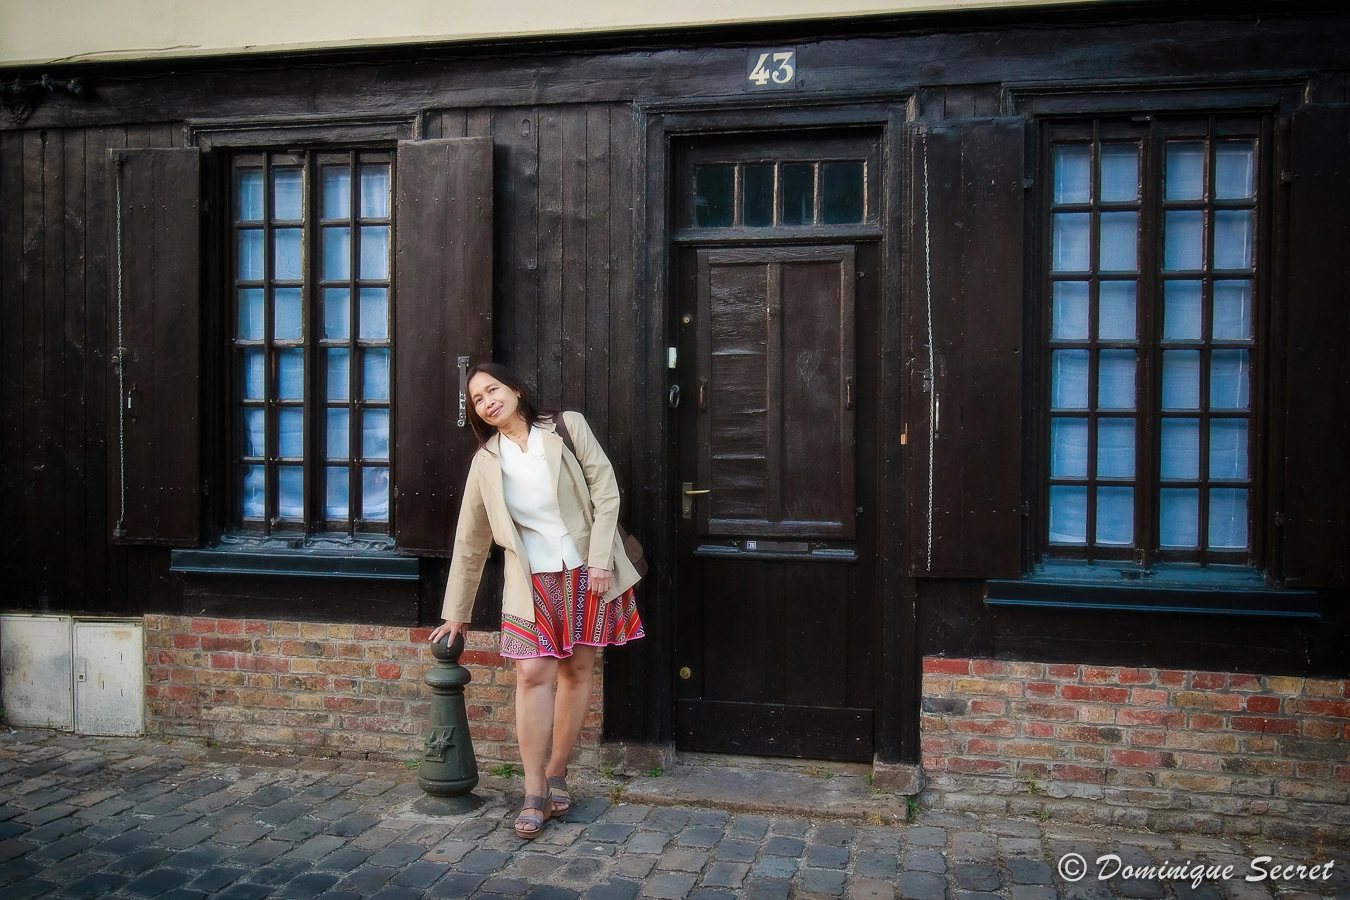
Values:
[(587, 142)]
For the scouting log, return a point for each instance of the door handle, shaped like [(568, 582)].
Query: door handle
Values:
[(697, 493), (687, 501)]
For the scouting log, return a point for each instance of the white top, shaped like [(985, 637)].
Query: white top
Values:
[(528, 491)]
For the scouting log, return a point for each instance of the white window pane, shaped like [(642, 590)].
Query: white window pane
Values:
[(375, 252), (1233, 170), (286, 263), (1181, 379), (250, 254), (339, 435), (1180, 449), (1115, 516), (249, 205), (1069, 379), (337, 192), (1068, 514), (287, 323), (337, 254), (1181, 310), (376, 375), (291, 492), (288, 192), (255, 432), (1233, 239), (1073, 173), (291, 374), (1120, 172), (1115, 448), (337, 322), (1232, 310), (374, 314), (1229, 379), (1068, 448), (1179, 517), (375, 434), (1116, 311), (375, 494), (1119, 242), (291, 433), (374, 192), (336, 503), (1072, 242), (254, 497), (255, 375), (1228, 518), (1228, 449), (339, 374), (1184, 240), (1115, 379), (250, 314), (1185, 170)]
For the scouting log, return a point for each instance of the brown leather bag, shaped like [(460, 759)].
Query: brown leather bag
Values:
[(631, 547)]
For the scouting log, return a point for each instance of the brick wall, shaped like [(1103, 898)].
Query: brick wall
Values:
[(1204, 752), (310, 688)]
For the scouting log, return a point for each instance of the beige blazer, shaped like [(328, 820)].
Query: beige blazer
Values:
[(588, 498)]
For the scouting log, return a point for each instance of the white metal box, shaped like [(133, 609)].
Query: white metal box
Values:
[(36, 665), (109, 677)]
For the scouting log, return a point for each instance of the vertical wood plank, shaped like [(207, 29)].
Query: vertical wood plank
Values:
[(551, 270), (34, 353), (478, 122), (599, 271), (526, 242), (574, 262), (622, 301), (13, 534), (52, 488), (75, 343)]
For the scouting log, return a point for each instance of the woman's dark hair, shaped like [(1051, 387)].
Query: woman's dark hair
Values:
[(482, 430)]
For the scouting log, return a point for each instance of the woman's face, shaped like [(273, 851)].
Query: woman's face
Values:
[(494, 402)]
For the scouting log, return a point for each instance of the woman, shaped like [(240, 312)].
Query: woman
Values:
[(568, 585)]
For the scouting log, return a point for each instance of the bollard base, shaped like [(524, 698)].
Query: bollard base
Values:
[(448, 806)]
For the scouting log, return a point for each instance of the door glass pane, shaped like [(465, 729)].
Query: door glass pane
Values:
[(1119, 242), (1228, 518), (337, 254), (1233, 239), (376, 376), (251, 314), (336, 314), (1068, 514), (1073, 173), (337, 192), (375, 494), (1181, 379), (1180, 449), (841, 192), (1115, 516), (255, 375), (757, 186), (1115, 448), (1120, 172), (1229, 379), (254, 494), (1068, 448), (1115, 379), (287, 324), (1069, 379), (1070, 317), (1116, 311), (291, 374), (1072, 242), (1181, 310), (255, 432), (291, 433), (714, 191), (336, 502), (1232, 310), (374, 314), (338, 434), (339, 374), (375, 252), (286, 262), (1185, 170), (288, 194), (1184, 240), (1233, 170), (1228, 449), (249, 207), (291, 492), (375, 192), (250, 254), (1179, 517), (799, 193), (375, 434)]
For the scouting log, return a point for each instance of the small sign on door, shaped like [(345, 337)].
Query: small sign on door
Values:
[(771, 70)]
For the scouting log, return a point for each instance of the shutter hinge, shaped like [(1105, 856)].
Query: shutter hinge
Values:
[(1286, 177), (1028, 183), (1026, 508), (1280, 519)]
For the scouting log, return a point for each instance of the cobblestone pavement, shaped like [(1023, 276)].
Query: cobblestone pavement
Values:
[(101, 817)]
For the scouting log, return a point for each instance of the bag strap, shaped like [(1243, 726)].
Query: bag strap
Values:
[(561, 427)]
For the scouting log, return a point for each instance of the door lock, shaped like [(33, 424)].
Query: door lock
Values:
[(687, 500), (685, 673)]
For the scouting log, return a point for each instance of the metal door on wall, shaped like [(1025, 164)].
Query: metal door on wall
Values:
[(776, 593)]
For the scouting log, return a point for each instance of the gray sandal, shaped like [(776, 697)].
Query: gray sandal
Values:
[(535, 824), (558, 794)]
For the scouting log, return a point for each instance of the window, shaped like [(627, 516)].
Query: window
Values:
[(1154, 285), (310, 341)]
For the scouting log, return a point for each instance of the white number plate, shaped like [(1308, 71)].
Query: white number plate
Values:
[(769, 70)]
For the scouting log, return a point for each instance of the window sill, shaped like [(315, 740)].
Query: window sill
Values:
[(1216, 590), (360, 561)]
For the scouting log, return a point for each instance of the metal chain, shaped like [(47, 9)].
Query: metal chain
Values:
[(120, 529), (932, 369)]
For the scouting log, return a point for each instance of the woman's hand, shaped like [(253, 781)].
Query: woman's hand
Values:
[(598, 581), (453, 629)]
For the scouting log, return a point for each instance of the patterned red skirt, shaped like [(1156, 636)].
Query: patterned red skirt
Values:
[(566, 615)]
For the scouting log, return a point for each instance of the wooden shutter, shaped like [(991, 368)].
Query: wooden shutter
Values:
[(964, 292), (154, 477), (1316, 503), (442, 325)]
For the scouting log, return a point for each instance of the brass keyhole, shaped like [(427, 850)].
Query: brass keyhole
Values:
[(685, 672)]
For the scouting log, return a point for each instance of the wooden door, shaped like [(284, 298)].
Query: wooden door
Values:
[(776, 595)]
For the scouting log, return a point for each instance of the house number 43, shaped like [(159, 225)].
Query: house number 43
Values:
[(771, 69)]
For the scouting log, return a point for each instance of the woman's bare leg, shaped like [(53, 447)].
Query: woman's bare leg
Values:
[(534, 720), (570, 706)]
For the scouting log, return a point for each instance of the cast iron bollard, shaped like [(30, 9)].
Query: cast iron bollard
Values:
[(448, 768)]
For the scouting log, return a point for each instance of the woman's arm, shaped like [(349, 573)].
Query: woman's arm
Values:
[(604, 488), (473, 540)]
